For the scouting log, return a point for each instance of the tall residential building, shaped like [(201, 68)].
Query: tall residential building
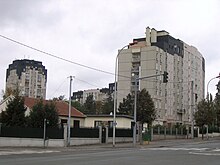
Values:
[(152, 55), (29, 75)]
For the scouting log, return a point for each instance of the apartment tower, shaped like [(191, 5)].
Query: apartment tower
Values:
[(29, 75), (152, 55)]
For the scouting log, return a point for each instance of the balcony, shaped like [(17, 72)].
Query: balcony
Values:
[(135, 70), (180, 111), (137, 59)]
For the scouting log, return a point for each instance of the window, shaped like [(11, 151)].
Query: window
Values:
[(97, 123), (76, 123), (110, 124), (63, 121), (38, 78)]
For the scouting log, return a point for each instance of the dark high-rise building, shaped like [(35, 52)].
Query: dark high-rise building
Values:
[(29, 75)]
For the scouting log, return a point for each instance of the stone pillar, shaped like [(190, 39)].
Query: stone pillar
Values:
[(152, 133), (65, 134), (176, 133), (100, 134), (158, 132), (106, 135), (165, 133)]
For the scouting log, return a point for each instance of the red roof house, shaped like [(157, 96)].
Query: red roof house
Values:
[(62, 107)]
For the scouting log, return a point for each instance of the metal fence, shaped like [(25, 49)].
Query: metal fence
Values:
[(26, 132), (157, 130), (84, 132), (120, 132)]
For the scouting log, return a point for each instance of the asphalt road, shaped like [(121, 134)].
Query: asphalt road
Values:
[(193, 153)]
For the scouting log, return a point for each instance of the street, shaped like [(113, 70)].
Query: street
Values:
[(175, 153)]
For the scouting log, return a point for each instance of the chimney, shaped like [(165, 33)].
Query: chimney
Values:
[(153, 35), (147, 36)]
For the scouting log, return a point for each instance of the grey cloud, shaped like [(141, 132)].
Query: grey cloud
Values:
[(23, 12)]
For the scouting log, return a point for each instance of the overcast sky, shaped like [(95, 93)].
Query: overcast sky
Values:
[(90, 32)]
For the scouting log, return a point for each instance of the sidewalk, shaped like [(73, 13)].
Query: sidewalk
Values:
[(152, 144), (109, 146)]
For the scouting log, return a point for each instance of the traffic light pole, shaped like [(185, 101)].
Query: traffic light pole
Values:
[(135, 103)]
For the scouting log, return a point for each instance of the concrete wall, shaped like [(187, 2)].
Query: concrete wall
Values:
[(210, 135), (121, 139), (20, 142), (84, 141), (163, 137), (32, 142)]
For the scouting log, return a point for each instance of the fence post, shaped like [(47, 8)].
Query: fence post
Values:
[(44, 132), (0, 128), (65, 134), (176, 132), (152, 133), (165, 132), (106, 134), (187, 133), (158, 132), (100, 134)]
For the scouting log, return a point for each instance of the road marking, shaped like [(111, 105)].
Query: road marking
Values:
[(25, 152), (194, 151), (205, 153), (176, 149)]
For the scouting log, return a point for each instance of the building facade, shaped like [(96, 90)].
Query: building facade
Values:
[(29, 75), (98, 94), (152, 55)]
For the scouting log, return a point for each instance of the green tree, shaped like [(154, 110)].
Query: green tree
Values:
[(145, 108), (204, 114), (78, 106), (14, 115), (127, 106), (98, 107), (89, 105), (108, 105), (51, 114), (217, 105), (41, 111)]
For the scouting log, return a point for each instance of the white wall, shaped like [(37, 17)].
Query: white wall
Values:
[(122, 122)]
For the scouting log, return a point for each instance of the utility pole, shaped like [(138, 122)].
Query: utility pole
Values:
[(45, 123), (69, 117), (192, 110)]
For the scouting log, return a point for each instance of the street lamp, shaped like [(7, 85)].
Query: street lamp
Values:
[(115, 90), (208, 85)]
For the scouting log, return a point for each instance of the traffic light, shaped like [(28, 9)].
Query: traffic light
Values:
[(165, 77)]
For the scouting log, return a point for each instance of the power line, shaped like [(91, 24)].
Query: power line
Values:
[(60, 58), (58, 88), (86, 82)]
